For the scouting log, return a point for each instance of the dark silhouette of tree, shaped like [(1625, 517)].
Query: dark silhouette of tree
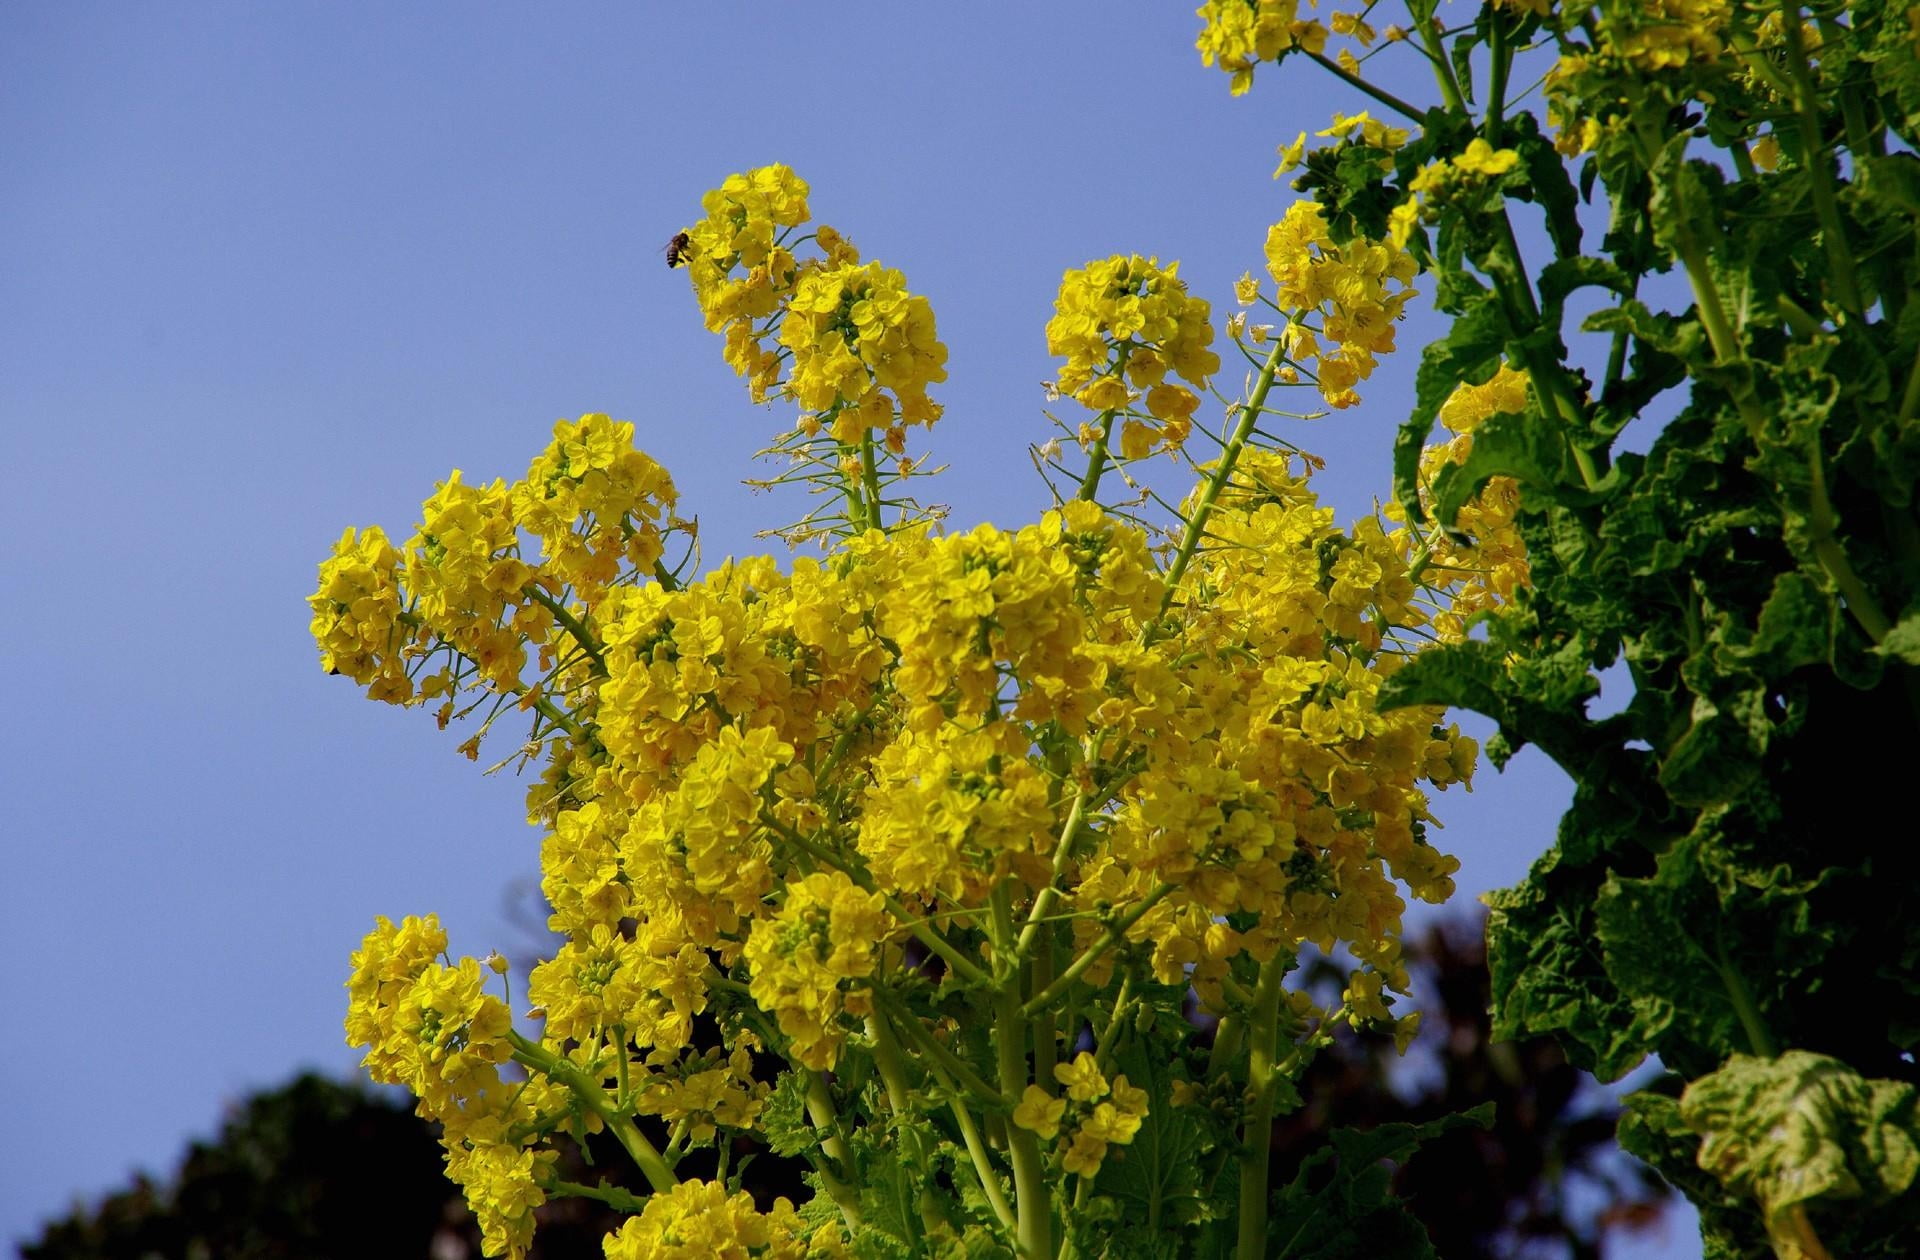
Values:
[(318, 1169)]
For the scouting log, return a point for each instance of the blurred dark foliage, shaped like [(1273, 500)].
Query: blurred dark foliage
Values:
[(1546, 1182), (318, 1169)]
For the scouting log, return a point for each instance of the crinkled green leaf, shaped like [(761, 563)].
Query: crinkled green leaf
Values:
[(1469, 354), (1714, 760), (1804, 1127), (1903, 641), (784, 1117), (1548, 975)]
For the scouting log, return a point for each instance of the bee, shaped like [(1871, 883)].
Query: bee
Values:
[(678, 248)]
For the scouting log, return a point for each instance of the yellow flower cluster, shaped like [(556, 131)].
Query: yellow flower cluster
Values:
[(1094, 1115), (1270, 785), (807, 958), (855, 332), (740, 270), (1357, 290), (430, 1028), (699, 1220), (1122, 324), (858, 349), (1240, 34), (1638, 43), (776, 797), (1485, 573), (461, 588)]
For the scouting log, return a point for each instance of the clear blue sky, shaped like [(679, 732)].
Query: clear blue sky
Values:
[(270, 270)]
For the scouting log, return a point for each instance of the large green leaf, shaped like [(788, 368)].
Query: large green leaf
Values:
[(1802, 1128), (1157, 1180)]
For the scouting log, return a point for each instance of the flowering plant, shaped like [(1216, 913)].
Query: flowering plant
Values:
[(915, 857), (905, 859)]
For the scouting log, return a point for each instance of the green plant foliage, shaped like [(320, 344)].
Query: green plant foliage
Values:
[(1727, 885)]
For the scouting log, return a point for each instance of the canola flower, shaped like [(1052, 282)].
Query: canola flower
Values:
[(846, 813)]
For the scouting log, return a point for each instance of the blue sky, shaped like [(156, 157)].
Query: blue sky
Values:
[(270, 270)]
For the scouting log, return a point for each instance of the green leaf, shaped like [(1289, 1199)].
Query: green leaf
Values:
[(1804, 1127), (1547, 176), (889, 1199), (1796, 626), (1470, 354), (1521, 445), (1715, 760), (1340, 1205), (1548, 975), (1651, 1130), (784, 1117), (1903, 641), (1157, 1179)]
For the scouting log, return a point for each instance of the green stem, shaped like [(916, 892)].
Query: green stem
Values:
[(982, 1163), (1045, 1033), (886, 1057), (1758, 1038), (1062, 855), (826, 1122), (1114, 933), (1833, 234), (1431, 42), (1097, 459), (1033, 1199), (1821, 525), (1222, 473), (573, 626), (615, 1197), (1109, 1042), (591, 1096), (870, 479), (1359, 84), (942, 1058), (1257, 1138)]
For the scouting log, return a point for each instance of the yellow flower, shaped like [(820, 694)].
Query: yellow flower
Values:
[(1482, 158), (1084, 1154), (1082, 1078), (1291, 155), (1040, 1112)]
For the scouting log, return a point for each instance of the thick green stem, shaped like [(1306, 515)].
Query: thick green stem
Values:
[(826, 1122), (886, 1057), (1044, 1031), (1032, 1198), (1257, 1137), (1807, 114)]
